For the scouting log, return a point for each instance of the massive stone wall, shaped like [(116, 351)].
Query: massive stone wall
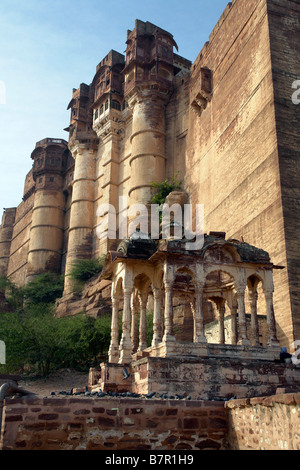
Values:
[(284, 27), (232, 148), (20, 242), (6, 233)]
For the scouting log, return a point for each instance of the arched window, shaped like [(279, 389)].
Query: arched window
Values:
[(139, 73), (164, 74), (116, 105)]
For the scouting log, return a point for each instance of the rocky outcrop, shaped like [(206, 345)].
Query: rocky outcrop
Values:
[(94, 301)]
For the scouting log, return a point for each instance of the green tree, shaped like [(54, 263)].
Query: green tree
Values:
[(14, 295), (38, 342)]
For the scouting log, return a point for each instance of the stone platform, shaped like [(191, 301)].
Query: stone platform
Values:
[(203, 378)]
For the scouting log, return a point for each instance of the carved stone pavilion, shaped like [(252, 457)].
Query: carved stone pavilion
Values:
[(222, 272)]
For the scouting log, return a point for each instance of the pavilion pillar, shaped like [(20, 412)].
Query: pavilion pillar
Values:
[(113, 353), (134, 323), (169, 326), (199, 334), (221, 311), (253, 296), (157, 318), (243, 340), (126, 344), (234, 328), (273, 341), (143, 321)]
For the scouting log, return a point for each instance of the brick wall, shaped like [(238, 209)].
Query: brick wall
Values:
[(270, 423), (113, 424)]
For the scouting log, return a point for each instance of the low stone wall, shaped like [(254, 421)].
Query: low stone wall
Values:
[(113, 424), (270, 423)]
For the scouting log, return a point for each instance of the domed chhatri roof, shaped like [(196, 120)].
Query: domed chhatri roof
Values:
[(139, 246), (247, 252)]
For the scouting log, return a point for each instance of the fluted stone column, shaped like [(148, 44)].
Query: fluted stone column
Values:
[(243, 340), (271, 318), (126, 344), (253, 297), (157, 318), (221, 311), (169, 326), (143, 322), (199, 334), (134, 322), (113, 353), (234, 329)]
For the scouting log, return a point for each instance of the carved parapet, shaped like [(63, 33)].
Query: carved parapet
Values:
[(109, 126), (82, 141), (201, 92)]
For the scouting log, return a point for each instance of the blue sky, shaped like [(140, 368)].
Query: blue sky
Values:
[(47, 48)]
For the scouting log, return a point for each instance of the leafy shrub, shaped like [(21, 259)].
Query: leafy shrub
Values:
[(164, 189), (13, 294), (84, 269), (45, 288)]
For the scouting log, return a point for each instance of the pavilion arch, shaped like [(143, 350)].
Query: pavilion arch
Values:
[(139, 303), (118, 288), (185, 270), (229, 270), (142, 282), (254, 279), (256, 305), (223, 254), (140, 270), (158, 278), (183, 303), (219, 290)]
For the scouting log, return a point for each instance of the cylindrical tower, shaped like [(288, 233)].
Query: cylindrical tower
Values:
[(149, 73), (83, 144), (148, 144), (47, 226), (82, 208), (6, 232)]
